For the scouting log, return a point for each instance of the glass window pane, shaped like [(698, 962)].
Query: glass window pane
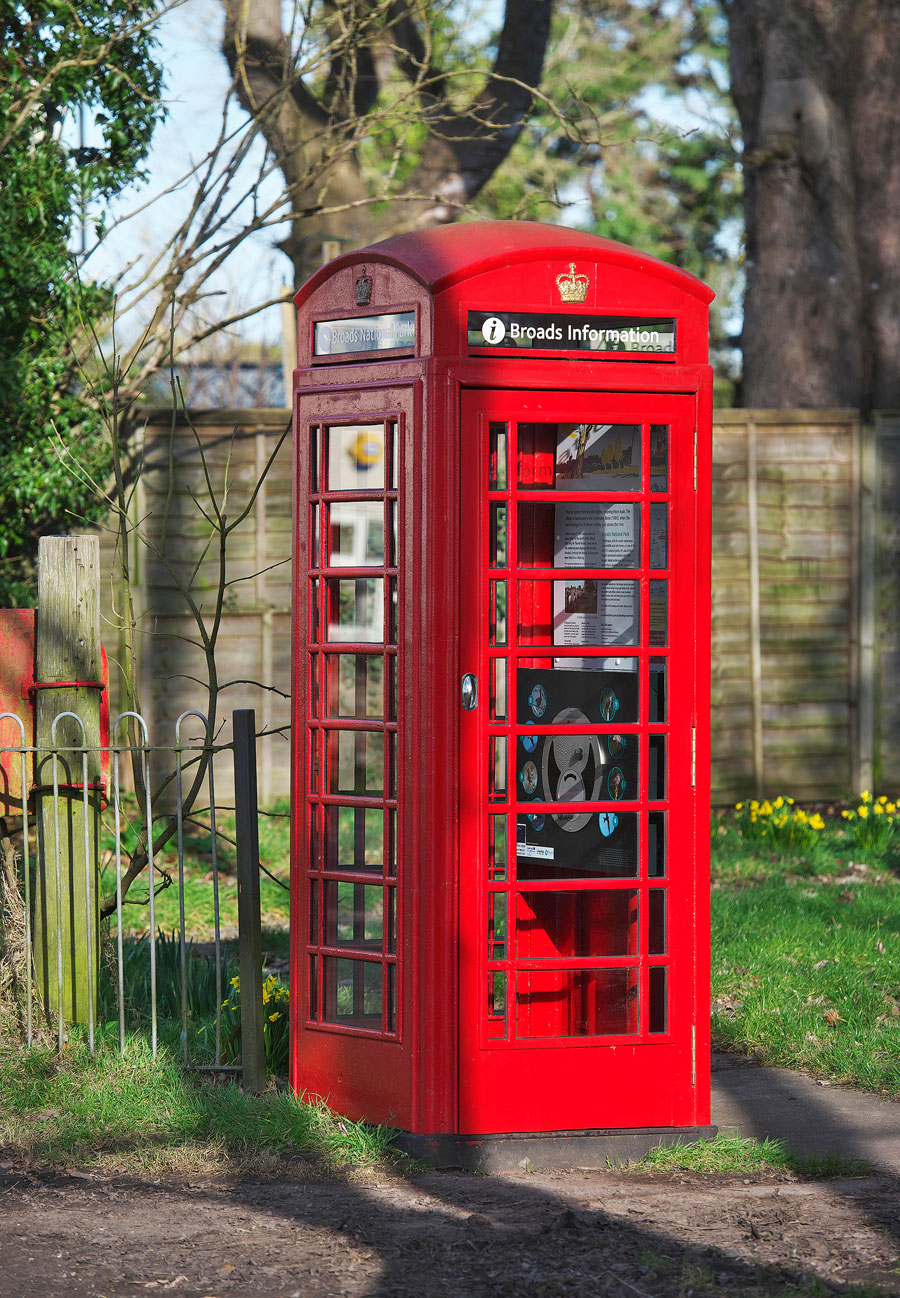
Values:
[(659, 457), (497, 475), (498, 533), (497, 768), (354, 915), (355, 685), (577, 768), (356, 610), (356, 458), (656, 922), (314, 912), (395, 453), (599, 845), (353, 992), (585, 611), (497, 926), (656, 781), (355, 761), (577, 924), (656, 1016), (596, 534), (497, 848), (656, 844), (576, 1002), (659, 536), (354, 838), (657, 692), (498, 590), (580, 457), (314, 525), (557, 697), (535, 534), (659, 614), (314, 661), (315, 443), (497, 671), (393, 540), (356, 534)]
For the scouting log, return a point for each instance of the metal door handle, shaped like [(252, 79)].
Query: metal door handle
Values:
[(470, 691)]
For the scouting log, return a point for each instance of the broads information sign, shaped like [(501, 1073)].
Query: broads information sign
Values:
[(514, 330)]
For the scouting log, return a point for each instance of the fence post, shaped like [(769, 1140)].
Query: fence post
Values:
[(67, 680), (253, 1050)]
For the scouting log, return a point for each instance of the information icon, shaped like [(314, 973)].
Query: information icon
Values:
[(493, 330)]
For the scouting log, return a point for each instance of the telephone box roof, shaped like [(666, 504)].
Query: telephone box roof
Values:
[(446, 254)]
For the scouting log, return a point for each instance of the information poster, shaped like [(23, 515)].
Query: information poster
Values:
[(598, 457), (596, 535)]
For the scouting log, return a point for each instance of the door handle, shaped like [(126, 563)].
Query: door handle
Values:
[(469, 691)]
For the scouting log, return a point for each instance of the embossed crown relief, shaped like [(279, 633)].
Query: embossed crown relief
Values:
[(572, 287), (363, 289)]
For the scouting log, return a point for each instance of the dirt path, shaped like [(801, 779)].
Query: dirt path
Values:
[(377, 1233)]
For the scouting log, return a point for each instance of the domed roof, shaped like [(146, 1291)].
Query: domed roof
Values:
[(445, 254)]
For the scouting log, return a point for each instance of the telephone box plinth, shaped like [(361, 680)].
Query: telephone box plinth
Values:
[(501, 691)]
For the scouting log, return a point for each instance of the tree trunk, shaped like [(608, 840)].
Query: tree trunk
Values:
[(314, 137), (813, 84)]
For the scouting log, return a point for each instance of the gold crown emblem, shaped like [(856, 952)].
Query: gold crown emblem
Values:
[(572, 287)]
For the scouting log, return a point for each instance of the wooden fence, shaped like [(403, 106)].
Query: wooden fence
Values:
[(806, 592)]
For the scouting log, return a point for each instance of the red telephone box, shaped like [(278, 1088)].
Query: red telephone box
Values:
[(501, 689)]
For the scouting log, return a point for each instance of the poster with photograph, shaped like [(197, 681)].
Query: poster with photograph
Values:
[(594, 612)]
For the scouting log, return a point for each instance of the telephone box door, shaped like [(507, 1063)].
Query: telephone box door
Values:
[(582, 975)]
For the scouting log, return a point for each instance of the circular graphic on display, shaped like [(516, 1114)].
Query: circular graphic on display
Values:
[(616, 745), (537, 700), (530, 742), (366, 451), (572, 769), (537, 822), (609, 704), (616, 783), (608, 822), (493, 330), (529, 777)]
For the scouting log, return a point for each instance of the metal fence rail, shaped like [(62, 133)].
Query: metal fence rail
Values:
[(151, 793)]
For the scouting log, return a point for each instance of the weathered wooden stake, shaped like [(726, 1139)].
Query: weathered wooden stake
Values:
[(67, 680)]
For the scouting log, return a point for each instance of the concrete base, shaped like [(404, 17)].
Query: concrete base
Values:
[(546, 1151)]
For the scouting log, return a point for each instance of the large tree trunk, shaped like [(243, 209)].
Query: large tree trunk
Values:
[(814, 84), (314, 137)]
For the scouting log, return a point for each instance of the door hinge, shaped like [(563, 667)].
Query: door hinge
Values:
[(695, 459), (693, 757), (694, 1055)]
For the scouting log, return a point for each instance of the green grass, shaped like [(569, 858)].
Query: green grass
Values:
[(137, 1113), (806, 955), (274, 851), (737, 1156)]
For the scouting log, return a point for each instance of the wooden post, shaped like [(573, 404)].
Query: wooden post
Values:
[(67, 679), (755, 614), (246, 832)]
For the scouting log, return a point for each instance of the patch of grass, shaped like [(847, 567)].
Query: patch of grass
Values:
[(806, 955), (734, 1155), (199, 887), (133, 1112)]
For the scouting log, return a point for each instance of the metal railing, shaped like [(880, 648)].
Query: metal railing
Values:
[(144, 809)]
